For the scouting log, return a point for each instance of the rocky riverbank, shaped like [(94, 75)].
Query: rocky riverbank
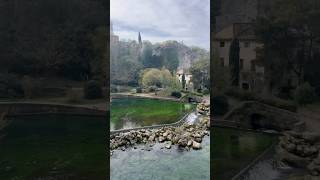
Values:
[(204, 108), (301, 150), (186, 136)]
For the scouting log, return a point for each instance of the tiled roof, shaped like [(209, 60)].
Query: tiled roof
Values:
[(243, 31)]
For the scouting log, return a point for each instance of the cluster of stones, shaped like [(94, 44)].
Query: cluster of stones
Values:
[(301, 150), (203, 108), (185, 136)]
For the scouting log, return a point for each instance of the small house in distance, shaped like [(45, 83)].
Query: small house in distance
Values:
[(251, 70), (187, 76)]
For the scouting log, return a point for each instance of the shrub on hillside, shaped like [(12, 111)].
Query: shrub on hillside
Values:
[(31, 87), (139, 90), (10, 86), (305, 94), (176, 94), (152, 88), (73, 96), (113, 89), (206, 91), (220, 105), (92, 90)]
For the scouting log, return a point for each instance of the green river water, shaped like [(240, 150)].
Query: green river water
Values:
[(58, 147), (137, 112)]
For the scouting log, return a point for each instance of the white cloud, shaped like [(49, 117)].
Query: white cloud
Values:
[(160, 20)]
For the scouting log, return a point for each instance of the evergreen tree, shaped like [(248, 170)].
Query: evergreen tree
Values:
[(234, 55), (183, 81)]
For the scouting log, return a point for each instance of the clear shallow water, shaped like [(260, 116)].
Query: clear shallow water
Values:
[(63, 147), (137, 112), (234, 149), (161, 164)]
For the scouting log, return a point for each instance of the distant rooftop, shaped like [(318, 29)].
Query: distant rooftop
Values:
[(243, 31)]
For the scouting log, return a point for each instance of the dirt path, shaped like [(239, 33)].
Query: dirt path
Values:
[(95, 105)]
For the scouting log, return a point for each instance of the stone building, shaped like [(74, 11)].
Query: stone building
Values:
[(188, 78), (251, 70)]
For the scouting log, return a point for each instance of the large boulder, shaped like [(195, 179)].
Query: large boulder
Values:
[(291, 158), (314, 167), (196, 145)]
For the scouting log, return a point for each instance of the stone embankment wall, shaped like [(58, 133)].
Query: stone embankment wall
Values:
[(301, 149), (176, 124), (25, 109), (297, 147), (187, 136)]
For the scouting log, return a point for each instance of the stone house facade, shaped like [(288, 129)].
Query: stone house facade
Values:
[(251, 70), (188, 78)]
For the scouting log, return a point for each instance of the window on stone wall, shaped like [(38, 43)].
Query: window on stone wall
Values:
[(245, 86), (222, 43), (247, 44), (241, 64), (222, 62), (253, 66)]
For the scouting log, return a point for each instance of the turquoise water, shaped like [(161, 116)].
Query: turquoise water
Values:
[(58, 147), (233, 150), (161, 164), (137, 112)]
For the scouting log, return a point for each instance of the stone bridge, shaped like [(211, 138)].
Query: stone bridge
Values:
[(256, 115)]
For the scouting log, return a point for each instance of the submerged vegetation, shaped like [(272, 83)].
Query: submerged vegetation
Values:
[(45, 147), (137, 112)]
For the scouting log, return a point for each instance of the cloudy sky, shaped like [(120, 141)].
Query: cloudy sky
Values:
[(160, 20)]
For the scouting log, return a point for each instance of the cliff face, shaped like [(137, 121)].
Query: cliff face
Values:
[(186, 55)]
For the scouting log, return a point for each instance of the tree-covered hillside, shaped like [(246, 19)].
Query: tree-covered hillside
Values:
[(128, 59)]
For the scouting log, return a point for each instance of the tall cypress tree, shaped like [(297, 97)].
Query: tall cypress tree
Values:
[(183, 81), (234, 64)]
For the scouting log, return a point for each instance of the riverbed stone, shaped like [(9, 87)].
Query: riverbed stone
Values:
[(292, 159), (185, 136), (168, 145), (161, 139), (183, 142), (196, 145), (151, 138)]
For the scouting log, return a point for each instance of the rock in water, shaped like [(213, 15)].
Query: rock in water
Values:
[(151, 138), (161, 139), (189, 143), (165, 134), (168, 146), (196, 145), (183, 142)]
